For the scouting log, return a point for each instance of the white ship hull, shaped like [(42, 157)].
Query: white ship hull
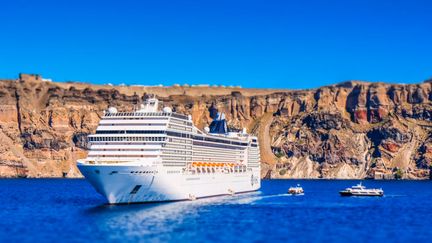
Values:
[(154, 184)]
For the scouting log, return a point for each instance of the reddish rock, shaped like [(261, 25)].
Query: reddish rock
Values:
[(360, 116), (392, 147)]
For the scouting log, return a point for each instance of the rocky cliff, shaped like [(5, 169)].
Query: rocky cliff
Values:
[(349, 130)]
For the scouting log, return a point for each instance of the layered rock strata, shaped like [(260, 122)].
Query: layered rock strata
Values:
[(348, 130)]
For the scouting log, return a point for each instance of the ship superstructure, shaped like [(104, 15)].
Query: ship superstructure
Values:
[(152, 155)]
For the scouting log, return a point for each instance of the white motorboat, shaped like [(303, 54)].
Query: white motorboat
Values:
[(360, 190)]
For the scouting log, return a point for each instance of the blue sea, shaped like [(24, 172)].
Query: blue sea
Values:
[(69, 210)]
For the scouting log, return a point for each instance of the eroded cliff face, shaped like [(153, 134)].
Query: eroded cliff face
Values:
[(349, 130)]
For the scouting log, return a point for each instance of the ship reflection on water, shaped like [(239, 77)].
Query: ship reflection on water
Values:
[(161, 220)]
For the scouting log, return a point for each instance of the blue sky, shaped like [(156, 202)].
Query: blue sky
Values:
[(274, 44)]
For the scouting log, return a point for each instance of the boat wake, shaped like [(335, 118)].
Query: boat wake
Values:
[(255, 198), (395, 195), (277, 195)]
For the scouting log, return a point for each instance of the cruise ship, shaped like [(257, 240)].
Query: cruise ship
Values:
[(153, 155)]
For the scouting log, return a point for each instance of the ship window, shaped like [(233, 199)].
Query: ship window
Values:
[(135, 189)]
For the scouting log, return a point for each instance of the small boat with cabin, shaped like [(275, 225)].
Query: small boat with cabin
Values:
[(296, 190), (360, 190)]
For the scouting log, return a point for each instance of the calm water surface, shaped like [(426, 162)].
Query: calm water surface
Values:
[(70, 210)]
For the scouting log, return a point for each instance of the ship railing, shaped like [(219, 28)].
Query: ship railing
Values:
[(117, 162), (134, 114)]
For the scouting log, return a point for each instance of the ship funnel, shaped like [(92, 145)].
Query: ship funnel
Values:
[(219, 125)]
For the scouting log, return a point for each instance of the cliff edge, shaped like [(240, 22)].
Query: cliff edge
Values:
[(348, 130)]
